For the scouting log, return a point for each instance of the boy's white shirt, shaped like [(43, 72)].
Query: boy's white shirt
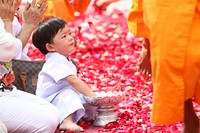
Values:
[(52, 77)]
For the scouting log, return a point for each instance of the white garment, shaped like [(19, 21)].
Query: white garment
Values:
[(3, 128), (22, 112), (53, 87), (22, 55), (16, 27), (7, 44)]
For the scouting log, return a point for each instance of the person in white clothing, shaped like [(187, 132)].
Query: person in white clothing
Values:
[(3, 128), (21, 112), (58, 82)]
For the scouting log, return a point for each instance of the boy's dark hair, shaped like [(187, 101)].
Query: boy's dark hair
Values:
[(46, 31)]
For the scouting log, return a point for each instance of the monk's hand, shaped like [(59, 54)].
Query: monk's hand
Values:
[(144, 64), (7, 10), (105, 3), (33, 12)]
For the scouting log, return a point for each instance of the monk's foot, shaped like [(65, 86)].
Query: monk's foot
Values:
[(194, 129)]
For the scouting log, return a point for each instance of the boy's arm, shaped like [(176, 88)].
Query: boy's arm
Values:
[(79, 85)]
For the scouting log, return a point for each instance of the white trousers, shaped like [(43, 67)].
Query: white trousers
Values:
[(68, 101), (3, 128), (22, 112)]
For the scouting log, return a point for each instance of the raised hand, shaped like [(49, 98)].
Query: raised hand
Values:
[(105, 3), (7, 10), (33, 12)]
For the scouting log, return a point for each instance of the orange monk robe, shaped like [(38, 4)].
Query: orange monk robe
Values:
[(135, 19), (173, 28), (64, 9)]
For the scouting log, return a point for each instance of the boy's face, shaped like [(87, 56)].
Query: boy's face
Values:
[(63, 42)]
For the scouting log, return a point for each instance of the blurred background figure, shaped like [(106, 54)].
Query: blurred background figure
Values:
[(117, 6), (68, 9), (65, 9)]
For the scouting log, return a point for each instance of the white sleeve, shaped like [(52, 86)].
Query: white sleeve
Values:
[(16, 26), (7, 44), (24, 55), (20, 53), (18, 50)]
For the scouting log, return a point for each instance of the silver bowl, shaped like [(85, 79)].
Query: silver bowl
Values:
[(106, 106)]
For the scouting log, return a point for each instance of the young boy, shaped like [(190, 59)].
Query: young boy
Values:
[(58, 82)]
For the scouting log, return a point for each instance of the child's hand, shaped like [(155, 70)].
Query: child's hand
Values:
[(92, 95)]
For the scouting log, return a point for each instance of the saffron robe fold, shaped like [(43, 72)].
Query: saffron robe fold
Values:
[(135, 19)]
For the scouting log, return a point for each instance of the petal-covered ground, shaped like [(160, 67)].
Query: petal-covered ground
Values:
[(107, 54)]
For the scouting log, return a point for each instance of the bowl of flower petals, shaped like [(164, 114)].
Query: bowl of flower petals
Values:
[(106, 106)]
